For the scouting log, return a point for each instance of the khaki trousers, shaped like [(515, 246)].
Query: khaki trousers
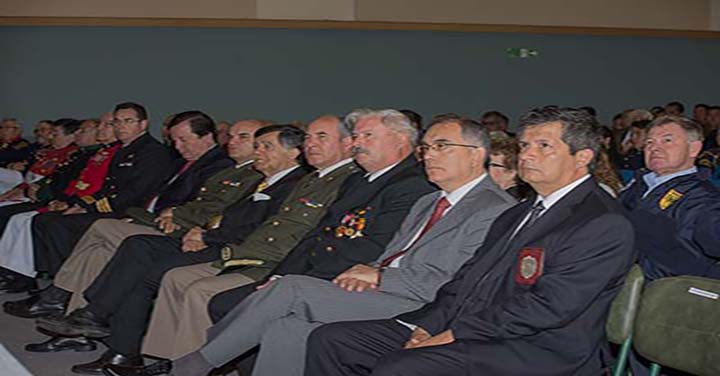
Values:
[(92, 253), (180, 317)]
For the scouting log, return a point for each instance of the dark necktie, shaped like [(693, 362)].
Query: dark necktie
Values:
[(534, 215), (442, 205)]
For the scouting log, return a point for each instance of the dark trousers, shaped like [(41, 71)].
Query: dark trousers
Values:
[(55, 235), (8, 211), (376, 348), (125, 290), (225, 301)]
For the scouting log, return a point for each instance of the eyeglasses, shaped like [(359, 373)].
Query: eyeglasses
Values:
[(498, 165), (441, 147), (128, 121)]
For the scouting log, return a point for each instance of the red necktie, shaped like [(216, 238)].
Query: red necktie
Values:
[(182, 169), (442, 205)]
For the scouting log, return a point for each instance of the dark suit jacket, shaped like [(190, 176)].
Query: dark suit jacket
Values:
[(52, 186), (549, 325), (186, 186), (385, 203), (243, 217), (136, 173)]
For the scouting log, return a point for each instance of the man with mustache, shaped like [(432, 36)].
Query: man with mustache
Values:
[(441, 232), (532, 300)]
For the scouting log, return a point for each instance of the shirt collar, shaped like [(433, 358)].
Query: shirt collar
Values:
[(373, 176), (274, 179), (239, 165), (554, 197), (653, 181), (134, 139), (455, 196), (324, 171)]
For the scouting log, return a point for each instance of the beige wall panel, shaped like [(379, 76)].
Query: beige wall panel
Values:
[(306, 9), (656, 14), (715, 15), (129, 8)]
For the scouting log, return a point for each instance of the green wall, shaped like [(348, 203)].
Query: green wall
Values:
[(51, 72)]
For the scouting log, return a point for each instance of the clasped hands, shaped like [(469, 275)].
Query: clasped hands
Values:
[(193, 240), (165, 221)]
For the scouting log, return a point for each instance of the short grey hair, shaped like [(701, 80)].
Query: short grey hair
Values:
[(392, 119), (341, 126), (693, 130), (471, 130)]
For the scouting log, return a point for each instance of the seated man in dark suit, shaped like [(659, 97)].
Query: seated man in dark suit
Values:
[(137, 171), (121, 297), (440, 233), (193, 133), (675, 213), (370, 209), (533, 299)]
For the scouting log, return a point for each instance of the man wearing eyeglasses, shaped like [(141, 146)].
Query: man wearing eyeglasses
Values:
[(532, 300), (442, 231), (136, 173)]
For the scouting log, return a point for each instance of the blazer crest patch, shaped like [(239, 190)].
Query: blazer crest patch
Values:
[(530, 265), (670, 198)]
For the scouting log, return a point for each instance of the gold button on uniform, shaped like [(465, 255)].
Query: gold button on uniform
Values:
[(329, 248), (270, 239), (275, 223), (327, 228)]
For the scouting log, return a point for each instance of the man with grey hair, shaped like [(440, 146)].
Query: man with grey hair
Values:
[(356, 228), (441, 232), (180, 318), (676, 214), (529, 301)]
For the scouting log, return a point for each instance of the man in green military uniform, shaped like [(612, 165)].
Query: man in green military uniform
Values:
[(99, 243), (180, 315)]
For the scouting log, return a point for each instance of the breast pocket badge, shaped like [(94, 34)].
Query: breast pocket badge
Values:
[(529, 266)]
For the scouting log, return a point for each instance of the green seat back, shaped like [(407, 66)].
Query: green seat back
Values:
[(678, 324), (624, 307)]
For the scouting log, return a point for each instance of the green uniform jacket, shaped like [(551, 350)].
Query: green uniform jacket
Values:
[(219, 192), (279, 234)]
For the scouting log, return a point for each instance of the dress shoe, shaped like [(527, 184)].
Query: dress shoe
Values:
[(33, 307), (161, 367), (56, 344), (109, 357), (80, 322), (17, 284)]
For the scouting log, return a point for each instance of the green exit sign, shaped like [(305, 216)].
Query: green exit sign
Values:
[(522, 53)]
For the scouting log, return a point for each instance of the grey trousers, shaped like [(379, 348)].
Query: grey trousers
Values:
[(281, 316), (92, 253)]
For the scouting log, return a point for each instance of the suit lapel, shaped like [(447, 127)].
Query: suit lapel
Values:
[(361, 191), (455, 215)]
